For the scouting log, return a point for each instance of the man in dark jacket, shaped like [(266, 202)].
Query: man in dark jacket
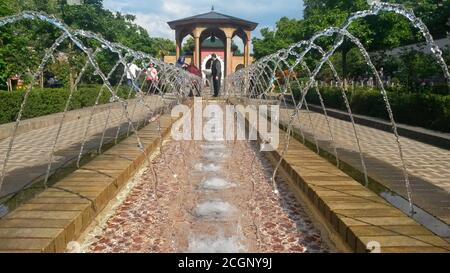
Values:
[(216, 74)]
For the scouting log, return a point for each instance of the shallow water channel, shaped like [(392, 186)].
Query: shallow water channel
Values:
[(212, 196)]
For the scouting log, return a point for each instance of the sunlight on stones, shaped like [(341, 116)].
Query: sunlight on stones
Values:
[(216, 183), (212, 168), (214, 210), (215, 244), (215, 155)]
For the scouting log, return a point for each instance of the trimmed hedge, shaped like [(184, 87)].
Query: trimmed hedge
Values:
[(430, 111), (43, 102)]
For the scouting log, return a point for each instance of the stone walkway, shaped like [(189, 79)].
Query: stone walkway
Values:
[(30, 153), (428, 166), (211, 197)]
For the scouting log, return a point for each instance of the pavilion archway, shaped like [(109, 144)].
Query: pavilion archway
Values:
[(214, 24)]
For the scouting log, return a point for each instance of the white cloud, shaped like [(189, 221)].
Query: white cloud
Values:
[(117, 5), (155, 24), (153, 15), (177, 9)]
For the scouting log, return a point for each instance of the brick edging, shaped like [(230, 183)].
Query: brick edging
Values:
[(58, 215)]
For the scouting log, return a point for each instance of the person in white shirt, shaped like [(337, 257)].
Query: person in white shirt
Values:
[(132, 72)]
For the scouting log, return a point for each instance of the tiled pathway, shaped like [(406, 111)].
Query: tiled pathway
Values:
[(30, 153)]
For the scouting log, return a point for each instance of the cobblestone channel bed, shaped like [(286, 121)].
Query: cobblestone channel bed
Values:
[(211, 197)]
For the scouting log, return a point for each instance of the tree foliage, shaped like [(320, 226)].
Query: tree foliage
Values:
[(23, 44), (381, 32)]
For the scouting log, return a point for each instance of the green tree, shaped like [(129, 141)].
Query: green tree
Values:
[(189, 46), (381, 32), (162, 47), (434, 13), (6, 7), (23, 44)]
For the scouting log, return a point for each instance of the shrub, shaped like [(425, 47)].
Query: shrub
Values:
[(430, 111), (43, 102)]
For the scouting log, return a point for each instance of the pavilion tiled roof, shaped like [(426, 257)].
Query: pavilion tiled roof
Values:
[(213, 17)]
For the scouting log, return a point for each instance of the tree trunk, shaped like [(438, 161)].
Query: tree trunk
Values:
[(71, 73), (344, 63), (71, 79), (41, 82)]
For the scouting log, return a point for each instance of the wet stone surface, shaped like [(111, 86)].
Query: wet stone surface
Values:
[(211, 197)]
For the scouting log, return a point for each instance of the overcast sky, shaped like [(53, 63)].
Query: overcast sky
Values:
[(153, 15)]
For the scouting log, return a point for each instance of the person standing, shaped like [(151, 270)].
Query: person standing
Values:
[(132, 71), (195, 89), (181, 62), (216, 68), (151, 78)]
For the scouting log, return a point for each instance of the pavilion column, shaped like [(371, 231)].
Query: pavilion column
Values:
[(197, 33), (229, 56), (228, 31), (197, 51), (178, 49), (247, 50)]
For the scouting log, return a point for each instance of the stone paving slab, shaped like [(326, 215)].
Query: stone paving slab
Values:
[(356, 214), (32, 124), (31, 150), (424, 135), (57, 216), (428, 166)]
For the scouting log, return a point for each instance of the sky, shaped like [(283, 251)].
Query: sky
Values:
[(153, 15)]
